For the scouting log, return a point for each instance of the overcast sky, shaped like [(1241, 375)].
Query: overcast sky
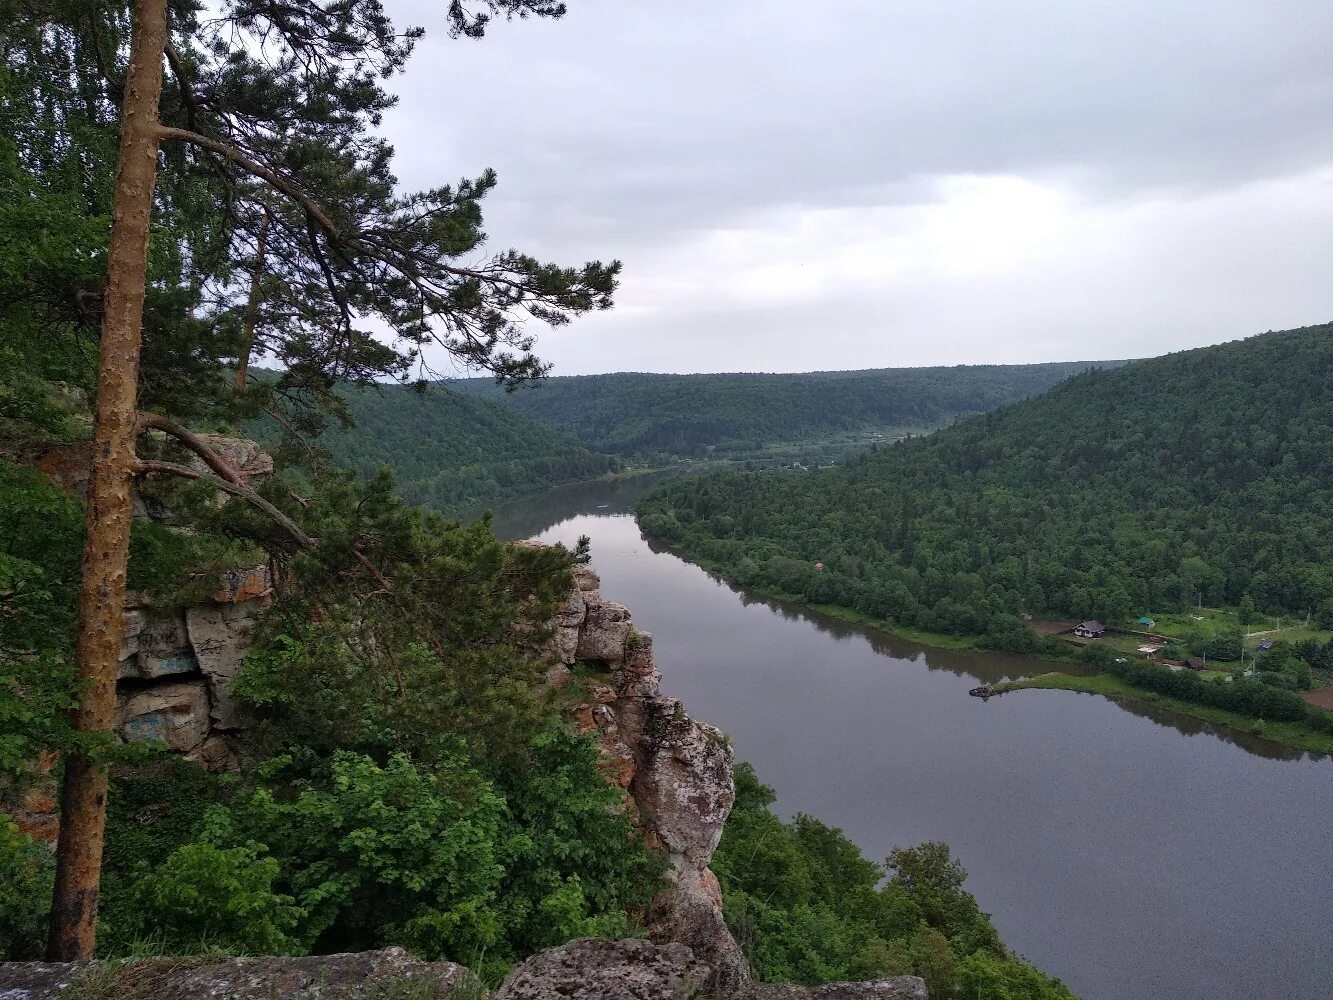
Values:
[(873, 183)]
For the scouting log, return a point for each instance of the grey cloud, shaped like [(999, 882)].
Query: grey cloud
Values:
[(631, 126)]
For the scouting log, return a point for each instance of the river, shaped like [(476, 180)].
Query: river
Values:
[(1134, 854)]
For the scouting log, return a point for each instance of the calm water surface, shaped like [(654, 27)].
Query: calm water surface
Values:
[(1134, 854)]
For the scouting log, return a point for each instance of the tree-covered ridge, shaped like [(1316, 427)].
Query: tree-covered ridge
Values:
[(1200, 476), (656, 416), (455, 452)]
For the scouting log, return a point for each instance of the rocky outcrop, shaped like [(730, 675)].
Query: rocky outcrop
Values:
[(895, 988), (593, 969), (580, 970), (177, 665), (677, 772), (391, 972)]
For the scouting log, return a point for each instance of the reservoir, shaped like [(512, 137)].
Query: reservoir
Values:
[(1131, 852)]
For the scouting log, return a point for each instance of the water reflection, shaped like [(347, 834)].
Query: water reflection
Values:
[(528, 517)]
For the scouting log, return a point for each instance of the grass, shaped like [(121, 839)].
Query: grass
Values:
[(1292, 734), (1208, 623)]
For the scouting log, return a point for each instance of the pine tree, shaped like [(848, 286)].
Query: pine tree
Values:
[(252, 190)]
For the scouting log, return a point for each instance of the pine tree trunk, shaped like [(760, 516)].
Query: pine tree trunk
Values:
[(107, 533)]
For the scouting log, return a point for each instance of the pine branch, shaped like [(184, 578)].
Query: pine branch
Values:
[(196, 444), (144, 467)]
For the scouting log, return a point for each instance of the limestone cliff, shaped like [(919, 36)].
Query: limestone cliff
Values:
[(678, 772)]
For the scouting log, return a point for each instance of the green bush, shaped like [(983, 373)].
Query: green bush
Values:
[(26, 872), (206, 897)]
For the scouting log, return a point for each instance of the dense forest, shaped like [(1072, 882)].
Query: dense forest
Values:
[(1200, 477), (461, 445), (454, 452), (658, 418)]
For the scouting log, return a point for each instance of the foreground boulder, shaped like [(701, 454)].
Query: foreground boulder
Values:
[(896, 988), (390, 972), (607, 970), (589, 969)]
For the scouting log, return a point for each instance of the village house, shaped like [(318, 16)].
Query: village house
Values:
[(1090, 630)]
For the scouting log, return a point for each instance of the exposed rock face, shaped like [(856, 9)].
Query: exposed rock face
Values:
[(607, 970), (173, 685), (896, 988), (175, 713), (177, 667), (678, 772), (317, 977), (245, 456), (579, 970)]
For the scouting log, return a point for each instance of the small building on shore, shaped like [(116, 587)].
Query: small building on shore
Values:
[(1091, 629)]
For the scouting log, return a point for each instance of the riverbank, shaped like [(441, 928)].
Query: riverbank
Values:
[(1296, 735), (1293, 734)]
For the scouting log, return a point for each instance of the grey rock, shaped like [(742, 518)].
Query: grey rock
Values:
[(604, 634), (566, 641), (896, 988), (220, 635), (690, 913), (164, 646), (175, 712), (607, 970), (315, 977), (216, 754), (572, 613), (587, 581), (242, 454), (685, 782)]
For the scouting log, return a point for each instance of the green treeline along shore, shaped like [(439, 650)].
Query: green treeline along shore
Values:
[(1193, 490)]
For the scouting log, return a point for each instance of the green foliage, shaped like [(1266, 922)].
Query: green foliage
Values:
[(26, 873), (807, 907), (344, 853), (202, 894), (1257, 697), (454, 452), (152, 812), (1205, 475), (986, 976), (661, 417), (40, 543), (402, 630), (357, 842)]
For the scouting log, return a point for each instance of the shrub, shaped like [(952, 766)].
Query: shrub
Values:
[(26, 873), (205, 897)]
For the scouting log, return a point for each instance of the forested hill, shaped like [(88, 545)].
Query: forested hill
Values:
[(656, 417), (454, 452), (1201, 475)]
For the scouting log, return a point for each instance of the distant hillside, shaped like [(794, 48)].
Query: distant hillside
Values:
[(1201, 475), (656, 417), (454, 452)]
